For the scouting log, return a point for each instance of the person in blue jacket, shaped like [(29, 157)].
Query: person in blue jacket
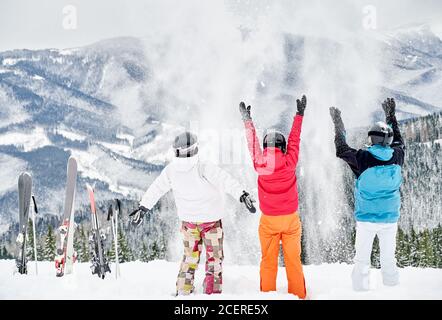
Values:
[(378, 176)]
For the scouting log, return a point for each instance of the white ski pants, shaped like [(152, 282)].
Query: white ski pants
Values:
[(365, 233)]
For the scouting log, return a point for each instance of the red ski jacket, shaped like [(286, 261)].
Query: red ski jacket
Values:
[(277, 190)]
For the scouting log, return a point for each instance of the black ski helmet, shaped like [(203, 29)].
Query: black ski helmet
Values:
[(274, 138), (185, 145), (380, 133)]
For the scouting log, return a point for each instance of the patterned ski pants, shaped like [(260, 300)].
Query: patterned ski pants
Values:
[(195, 235)]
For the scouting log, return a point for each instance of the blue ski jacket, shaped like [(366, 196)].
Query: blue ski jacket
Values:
[(378, 177)]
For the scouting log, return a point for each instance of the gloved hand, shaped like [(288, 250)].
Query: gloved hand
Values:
[(137, 215), (301, 105), (389, 107), (248, 201), (337, 120), (245, 112)]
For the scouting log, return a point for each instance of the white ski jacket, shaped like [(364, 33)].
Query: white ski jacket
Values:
[(198, 189)]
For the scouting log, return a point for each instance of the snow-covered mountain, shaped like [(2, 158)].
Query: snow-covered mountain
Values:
[(413, 69), (101, 104), (54, 103)]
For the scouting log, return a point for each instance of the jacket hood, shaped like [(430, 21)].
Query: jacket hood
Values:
[(383, 153), (275, 158), (185, 164)]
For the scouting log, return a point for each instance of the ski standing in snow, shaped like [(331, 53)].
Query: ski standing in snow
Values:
[(99, 261), (64, 258), (112, 215), (24, 199)]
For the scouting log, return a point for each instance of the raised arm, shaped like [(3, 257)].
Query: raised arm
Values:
[(252, 139), (389, 107), (343, 150), (295, 133)]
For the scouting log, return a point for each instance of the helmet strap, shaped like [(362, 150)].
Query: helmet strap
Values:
[(384, 142)]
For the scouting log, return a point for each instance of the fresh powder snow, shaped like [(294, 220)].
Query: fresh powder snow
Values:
[(156, 280)]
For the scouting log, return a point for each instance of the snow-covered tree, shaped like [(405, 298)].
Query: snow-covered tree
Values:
[(30, 241), (144, 254), (425, 250), (402, 249), (81, 245), (124, 252), (49, 245), (375, 254), (4, 254), (437, 242), (414, 254)]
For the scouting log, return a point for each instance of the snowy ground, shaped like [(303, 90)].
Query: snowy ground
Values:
[(156, 280)]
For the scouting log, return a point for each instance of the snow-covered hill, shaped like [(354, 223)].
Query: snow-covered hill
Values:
[(156, 280), (106, 103), (413, 68), (54, 103), (117, 105)]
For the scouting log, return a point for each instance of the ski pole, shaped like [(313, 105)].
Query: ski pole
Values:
[(118, 207), (34, 213), (110, 216)]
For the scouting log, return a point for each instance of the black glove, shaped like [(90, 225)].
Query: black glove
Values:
[(137, 215), (248, 201), (337, 120), (245, 112), (301, 104), (389, 107)]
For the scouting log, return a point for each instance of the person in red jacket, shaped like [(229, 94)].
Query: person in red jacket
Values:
[(278, 200)]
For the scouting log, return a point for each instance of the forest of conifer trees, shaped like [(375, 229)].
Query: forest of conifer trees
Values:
[(417, 245)]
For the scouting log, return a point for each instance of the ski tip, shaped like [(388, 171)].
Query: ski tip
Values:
[(89, 187), (117, 204), (110, 212), (24, 176), (72, 159), (72, 163)]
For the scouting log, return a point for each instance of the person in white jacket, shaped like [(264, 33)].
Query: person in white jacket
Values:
[(198, 189)]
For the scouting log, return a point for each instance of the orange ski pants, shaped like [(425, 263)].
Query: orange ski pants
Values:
[(273, 230)]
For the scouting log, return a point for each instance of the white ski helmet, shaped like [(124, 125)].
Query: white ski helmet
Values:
[(185, 145), (380, 133)]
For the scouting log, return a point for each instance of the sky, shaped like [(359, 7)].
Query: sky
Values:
[(36, 24)]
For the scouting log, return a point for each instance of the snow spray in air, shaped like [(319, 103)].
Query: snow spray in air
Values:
[(203, 59)]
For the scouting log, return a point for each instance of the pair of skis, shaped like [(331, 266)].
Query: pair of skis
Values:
[(100, 264), (65, 255), (24, 202), (112, 215)]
